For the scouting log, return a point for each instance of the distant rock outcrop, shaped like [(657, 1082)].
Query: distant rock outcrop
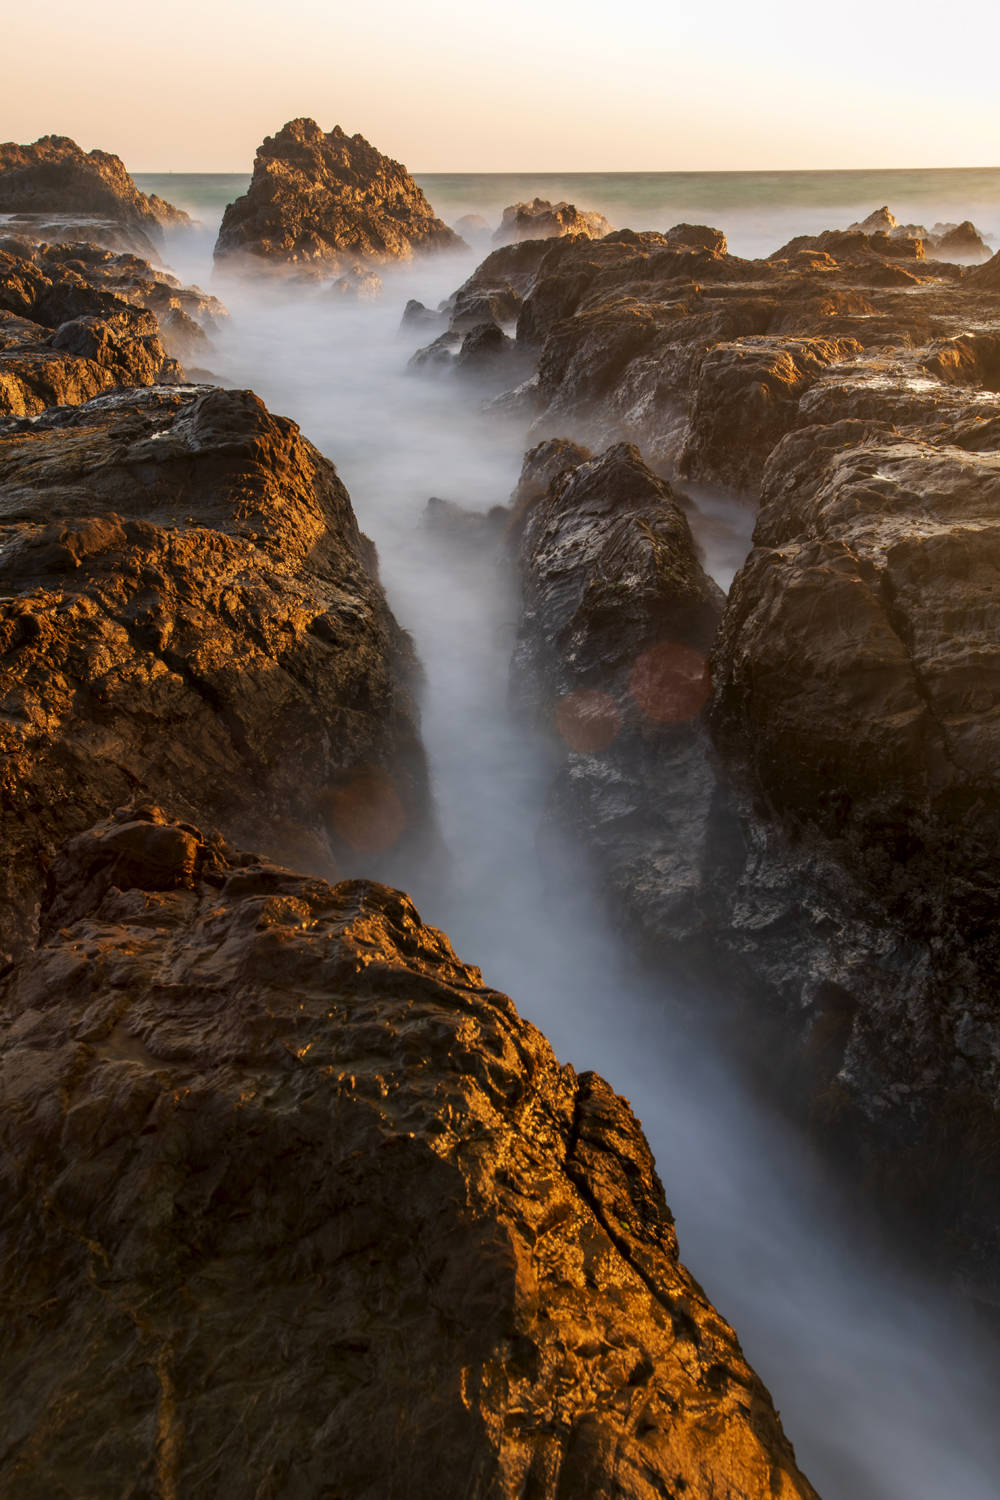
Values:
[(55, 191), (959, 242), (323, 202), (291, 1204), (542, 220), (190, 613)]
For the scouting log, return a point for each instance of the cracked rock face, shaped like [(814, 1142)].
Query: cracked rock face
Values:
[(76, 320), (53, 190), (617, 622), (827, 857), (327, 202), (190, 612), (280, 1173)]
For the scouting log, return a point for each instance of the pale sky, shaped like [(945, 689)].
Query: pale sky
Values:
[(524, 85)]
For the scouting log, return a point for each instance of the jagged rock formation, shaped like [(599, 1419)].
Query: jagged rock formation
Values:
[(962, 242), (617, 621), (542, 220), (325, 202), (189, 612), (76, 320), (274, 1162), (843, 880), (64, 338), (54, 191)]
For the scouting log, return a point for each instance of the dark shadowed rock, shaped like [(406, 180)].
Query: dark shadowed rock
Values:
[(191, 613), (58, 192), (830, 861), (612, 656), (275, 1162), (327, 201), (485, 349), (542, 220)]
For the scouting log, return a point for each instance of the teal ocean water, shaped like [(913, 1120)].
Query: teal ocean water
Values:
[(757, 210)]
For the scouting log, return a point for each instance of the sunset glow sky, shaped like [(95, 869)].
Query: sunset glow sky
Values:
[(528, 85)]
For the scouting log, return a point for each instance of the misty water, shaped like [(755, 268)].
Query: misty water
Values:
[(883, 1381)]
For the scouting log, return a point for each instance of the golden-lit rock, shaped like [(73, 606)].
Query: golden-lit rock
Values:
[(191, 613), (294, 1206), (326, 202)]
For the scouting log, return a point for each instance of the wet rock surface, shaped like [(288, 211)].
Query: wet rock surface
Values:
[(834, 833), (324, 202), (612, 658), (276, 1162), (52, 190), (189, 612)]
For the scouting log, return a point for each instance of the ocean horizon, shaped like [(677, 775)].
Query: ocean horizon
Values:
[(758, 211)]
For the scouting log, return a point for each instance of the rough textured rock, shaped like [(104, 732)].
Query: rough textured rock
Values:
[(325, 202), (276, 1163), (54, 283), (190, 613), (617, 622), (836, 848), (53, 190), (542, 220), (66, 335)]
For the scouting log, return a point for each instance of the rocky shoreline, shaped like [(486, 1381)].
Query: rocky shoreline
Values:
[(273, 1156), (819, 840)]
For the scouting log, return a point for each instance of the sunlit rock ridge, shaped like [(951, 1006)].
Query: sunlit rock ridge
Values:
[(327, 201)]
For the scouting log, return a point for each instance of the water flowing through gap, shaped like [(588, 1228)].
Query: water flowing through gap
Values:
[(881, 1383)]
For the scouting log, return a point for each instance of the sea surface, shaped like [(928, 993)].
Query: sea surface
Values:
[(883, 1380), (758, 211)]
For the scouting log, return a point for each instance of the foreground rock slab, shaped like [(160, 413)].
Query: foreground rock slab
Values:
[(328, 201), (280, 1173), (190, 612)]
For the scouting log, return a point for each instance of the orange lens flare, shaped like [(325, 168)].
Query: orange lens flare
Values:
[(588, 720), (366, 811), (670, 684)]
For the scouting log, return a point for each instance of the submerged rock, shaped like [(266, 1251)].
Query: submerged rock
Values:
[(55, 191), (327, 201), (275, 1161), (542, 220), (189, 612)]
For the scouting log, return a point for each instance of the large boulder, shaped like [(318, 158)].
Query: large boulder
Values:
[(293, 1205), (542, 220), (326, 201), (189, 612), (54, 190)]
